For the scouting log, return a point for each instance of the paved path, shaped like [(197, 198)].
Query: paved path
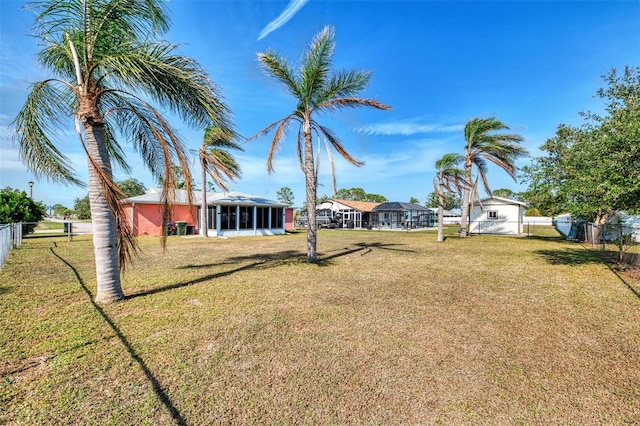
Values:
[(76, 227)]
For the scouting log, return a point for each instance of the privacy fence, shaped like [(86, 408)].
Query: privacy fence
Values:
[(10, 238)]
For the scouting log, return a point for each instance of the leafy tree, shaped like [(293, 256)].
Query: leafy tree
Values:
[(175, 178), (82, 208), (485, 144), (450, 200), (449, 178), (285, 195), (16, 206), (414, 200), (316, 90), (109, 66), (131, 187), (358, 194), (505, 193), (217, 162), (532, 212), (591, 171), (60, 210)]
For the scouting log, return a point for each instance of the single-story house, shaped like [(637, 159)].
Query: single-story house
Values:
[(229, 214), (496, 215), (350, 214), (399, 215)]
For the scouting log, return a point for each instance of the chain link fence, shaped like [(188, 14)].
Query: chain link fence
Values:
[(10, 238), (620, 242)]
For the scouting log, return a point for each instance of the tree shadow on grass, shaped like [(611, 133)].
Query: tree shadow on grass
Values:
[(582, 256), (156, 385), (264, 261), (571, 256)]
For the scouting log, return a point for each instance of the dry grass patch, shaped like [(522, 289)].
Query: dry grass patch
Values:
[(389, 328)]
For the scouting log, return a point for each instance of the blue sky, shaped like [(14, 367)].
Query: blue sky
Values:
[(532, 64)]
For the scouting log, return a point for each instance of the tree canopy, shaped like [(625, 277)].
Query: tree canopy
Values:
[(17, 206), (131, 187), (359, 194), (285, 195), (591, 171)]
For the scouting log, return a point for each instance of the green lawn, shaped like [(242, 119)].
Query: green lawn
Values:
[(389, 328)]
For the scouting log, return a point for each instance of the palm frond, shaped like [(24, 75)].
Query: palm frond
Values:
[(44, 113), (351, 103), (278, 67), (317, 65), (172, 80), (343, 84), (279, 135), (335, 142)]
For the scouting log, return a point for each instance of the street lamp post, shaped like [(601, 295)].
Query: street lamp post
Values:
[(31, 189)]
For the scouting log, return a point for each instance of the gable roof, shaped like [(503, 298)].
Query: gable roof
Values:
[(398, 205), (501, 200), (363, 206), (155, 196)]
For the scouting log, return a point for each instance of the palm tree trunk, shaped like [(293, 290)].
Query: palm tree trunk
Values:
[(311, 186), (204, 224), (466, 200), (440, 214), (105, 243)]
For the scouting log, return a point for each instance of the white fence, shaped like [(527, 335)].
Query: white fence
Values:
[(10, 238)]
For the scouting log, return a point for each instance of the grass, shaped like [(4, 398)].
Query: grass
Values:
[(389, 328)]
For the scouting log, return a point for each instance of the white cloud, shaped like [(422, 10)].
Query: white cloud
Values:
[(292, 8), (406, 128)]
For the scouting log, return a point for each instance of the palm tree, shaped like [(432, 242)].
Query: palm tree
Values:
[(449, 178), (216, 161), (107, 68), (316, 90), (485, 145)]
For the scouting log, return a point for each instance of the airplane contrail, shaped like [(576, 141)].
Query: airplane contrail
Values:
[(292, 8)]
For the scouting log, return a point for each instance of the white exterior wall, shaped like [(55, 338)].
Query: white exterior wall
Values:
[(510, 217)]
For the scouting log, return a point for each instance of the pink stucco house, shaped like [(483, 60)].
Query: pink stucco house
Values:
[(229, 214)]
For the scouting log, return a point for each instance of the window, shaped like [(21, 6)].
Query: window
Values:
[(276, 217), (262, 218), (246, 217), (227, 217), (492, 214)]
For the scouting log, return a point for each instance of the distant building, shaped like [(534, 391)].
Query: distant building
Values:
[(399, 215), (229, 214), (496, 215)]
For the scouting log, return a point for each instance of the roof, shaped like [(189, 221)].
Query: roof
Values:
[(399, 206), (501, 200), (363, 206), (155, 196)]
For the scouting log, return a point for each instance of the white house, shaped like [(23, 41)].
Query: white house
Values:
[(496, 215)]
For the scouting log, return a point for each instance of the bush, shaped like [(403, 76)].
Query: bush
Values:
[(16, 206)]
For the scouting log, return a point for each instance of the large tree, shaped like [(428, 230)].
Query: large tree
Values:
[(285, 195), (217, 162), (316, 89), (450, 178), (450, 200), (131, 187), (359, 194), (110, 69), (592, 171), (486, 143)]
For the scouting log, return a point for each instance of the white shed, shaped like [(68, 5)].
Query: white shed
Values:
[(496, 215)]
